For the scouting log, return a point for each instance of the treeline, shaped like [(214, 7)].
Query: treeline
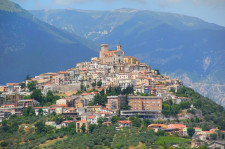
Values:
[(29, 131), (108, 137)]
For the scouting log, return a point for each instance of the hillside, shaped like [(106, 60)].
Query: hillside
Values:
[(182, 46), (30, 46)]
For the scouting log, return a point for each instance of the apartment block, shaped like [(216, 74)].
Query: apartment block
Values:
[(145, 102)]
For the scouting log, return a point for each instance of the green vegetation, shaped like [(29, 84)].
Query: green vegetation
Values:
[(99, 83), (171, 109), (30, 131), (101, 98), (32, 85), (212, 112), (47, 100), (93, 84), (190, 131), (170, 140)]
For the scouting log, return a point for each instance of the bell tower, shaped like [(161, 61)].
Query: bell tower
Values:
[(119, 47)]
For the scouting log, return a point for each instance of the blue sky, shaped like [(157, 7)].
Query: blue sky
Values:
[(212, 11)]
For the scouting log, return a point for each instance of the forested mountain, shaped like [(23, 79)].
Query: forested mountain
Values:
[(178, 45), (30, 46)]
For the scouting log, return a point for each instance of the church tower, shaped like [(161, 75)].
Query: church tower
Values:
[(119, 47)]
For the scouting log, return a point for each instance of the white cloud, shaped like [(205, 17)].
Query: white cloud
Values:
[(68, 2)]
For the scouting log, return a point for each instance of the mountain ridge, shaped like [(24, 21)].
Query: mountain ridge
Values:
[(30, 46), (166, 41)]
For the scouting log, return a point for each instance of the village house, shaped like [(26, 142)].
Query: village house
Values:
[(81, 123), (124, 123)]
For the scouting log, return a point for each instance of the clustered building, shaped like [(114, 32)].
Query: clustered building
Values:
[(112, 68)]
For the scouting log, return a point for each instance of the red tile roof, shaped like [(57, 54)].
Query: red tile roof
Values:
[(63, 72), (124, 121), (90, 117), (68, 121), (82, 121), (158, 125), (178, 126)]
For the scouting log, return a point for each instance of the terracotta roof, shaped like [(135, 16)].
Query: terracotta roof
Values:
[(104, 113), (158, 125), (176, 126), (68, 121), (12, 84), (124, 121), (48, 84), (110, 52), (90, 117), (196, 128), (8, 105), (59, 105), (39, 107), (208, 132), (63, 72), (82, 121), (84, 94)]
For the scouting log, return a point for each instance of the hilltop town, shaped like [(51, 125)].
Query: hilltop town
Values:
[(111, 85)]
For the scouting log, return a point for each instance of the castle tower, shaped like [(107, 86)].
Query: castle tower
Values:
[(119, 47), (104, 48)]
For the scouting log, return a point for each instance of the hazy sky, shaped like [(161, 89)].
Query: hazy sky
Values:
[(212, 11)]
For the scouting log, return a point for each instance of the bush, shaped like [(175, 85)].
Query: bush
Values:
[(4, 144)]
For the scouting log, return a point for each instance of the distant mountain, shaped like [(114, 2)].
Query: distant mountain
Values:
[(179, 45), (30, 46)]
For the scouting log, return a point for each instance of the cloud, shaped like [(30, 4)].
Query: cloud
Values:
[(69, 2)]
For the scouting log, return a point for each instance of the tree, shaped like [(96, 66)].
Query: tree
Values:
[(185, 104), (23, 85), (136, 122), (28, 77), (5, 126), (28, 112), (58, 119), (37, 95), (40, 127), (213, 136), (93, 84), (190, 131), (92, 127), (32, 85), (126, 105), (40, 112), (157, 71), (101, 120), (99, 83), (4, 144), (114, 119), (147, 122), (166, 109), (83, 128)]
